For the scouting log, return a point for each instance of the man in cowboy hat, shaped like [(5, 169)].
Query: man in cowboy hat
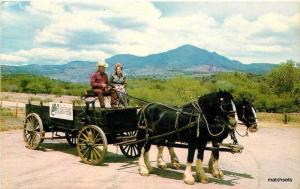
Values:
[(99, 83)]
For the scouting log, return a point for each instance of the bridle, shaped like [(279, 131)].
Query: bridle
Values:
[(247, 122), (222, 108), (244, 117), (232, 128), (198, 108)]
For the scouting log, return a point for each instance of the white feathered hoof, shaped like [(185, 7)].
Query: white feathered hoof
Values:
[(203, 179), (218, 174), (175, 164), (161, 164), (188, 179), (143, 171), (147, 162), (221, 174)]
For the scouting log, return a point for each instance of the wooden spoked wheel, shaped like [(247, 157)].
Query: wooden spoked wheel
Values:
[(71, 138), (130, 150), (33, 131), (91, 144)]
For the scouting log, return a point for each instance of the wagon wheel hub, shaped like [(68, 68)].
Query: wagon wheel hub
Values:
[(89, 143)]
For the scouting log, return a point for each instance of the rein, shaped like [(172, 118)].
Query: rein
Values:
[(246, 120), (178, 112), (246, 134), (224, 111), (198, 116), (243, 117), (197, 107)]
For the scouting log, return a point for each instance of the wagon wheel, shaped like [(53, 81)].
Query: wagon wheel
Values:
[(33, 132), (71, 138), (130, 150), (91, 144)]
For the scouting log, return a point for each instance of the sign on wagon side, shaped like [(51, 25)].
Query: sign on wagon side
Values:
[(61, 110)]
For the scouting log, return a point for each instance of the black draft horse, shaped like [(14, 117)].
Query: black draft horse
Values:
[(212, 116), (246, 115)]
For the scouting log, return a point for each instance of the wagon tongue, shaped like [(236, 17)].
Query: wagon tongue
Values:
[(233, 148)]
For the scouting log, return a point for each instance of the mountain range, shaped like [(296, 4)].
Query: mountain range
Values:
[(184, 60)]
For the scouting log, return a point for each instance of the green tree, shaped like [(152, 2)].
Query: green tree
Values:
[(284, 78)]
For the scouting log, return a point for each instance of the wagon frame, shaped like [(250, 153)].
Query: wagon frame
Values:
[(90, 130)]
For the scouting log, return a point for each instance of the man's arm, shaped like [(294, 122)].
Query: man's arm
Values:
[(110, 81), (93, 82)]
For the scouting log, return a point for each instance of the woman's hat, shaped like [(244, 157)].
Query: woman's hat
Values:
[(118, 65)]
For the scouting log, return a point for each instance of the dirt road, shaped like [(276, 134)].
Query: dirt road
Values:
[(269, 153)]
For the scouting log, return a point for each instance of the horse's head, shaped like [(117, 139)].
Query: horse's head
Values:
[(227, 107), (220, 104), (247, 114)]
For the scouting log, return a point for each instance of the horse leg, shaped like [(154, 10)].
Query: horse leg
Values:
[(199, 163), (146, 157), (187, 175), (213, 165), (143, 170), (174, 159), (160, 161)]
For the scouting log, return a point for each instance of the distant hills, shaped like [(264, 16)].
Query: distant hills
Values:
[(184, 60)]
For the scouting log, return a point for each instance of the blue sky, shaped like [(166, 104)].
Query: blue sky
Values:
[(57, 32)]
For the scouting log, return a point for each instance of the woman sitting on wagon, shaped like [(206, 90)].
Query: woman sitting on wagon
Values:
[(118, 81)]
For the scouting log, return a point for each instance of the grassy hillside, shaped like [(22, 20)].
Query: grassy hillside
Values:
[(276, 91), (39, 84)]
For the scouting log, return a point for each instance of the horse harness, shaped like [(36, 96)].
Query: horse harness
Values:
[(199, 114), (143, 118)]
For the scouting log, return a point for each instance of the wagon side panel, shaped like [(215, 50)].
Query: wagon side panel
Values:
[(121, 120)]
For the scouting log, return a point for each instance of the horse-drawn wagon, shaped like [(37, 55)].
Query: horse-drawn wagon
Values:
[(91, 129), (212, 117)]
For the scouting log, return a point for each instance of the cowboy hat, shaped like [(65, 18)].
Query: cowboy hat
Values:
[(102, 63)]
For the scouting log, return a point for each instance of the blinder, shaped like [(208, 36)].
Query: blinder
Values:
[(228, 113)]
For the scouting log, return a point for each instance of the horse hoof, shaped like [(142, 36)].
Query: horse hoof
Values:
[(217, 175), (221, 174), (189, 180), (176, 166), (204, 180), (144, 173), (162, 166)]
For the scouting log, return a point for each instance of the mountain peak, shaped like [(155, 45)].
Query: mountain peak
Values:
[(190, 49), (187, 47)]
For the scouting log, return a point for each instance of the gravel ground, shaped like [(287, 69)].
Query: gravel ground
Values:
[(272, 152)]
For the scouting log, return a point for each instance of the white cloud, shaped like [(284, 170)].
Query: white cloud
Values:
[(52, 55), (12, 58), (46, 7), (235, 36)]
